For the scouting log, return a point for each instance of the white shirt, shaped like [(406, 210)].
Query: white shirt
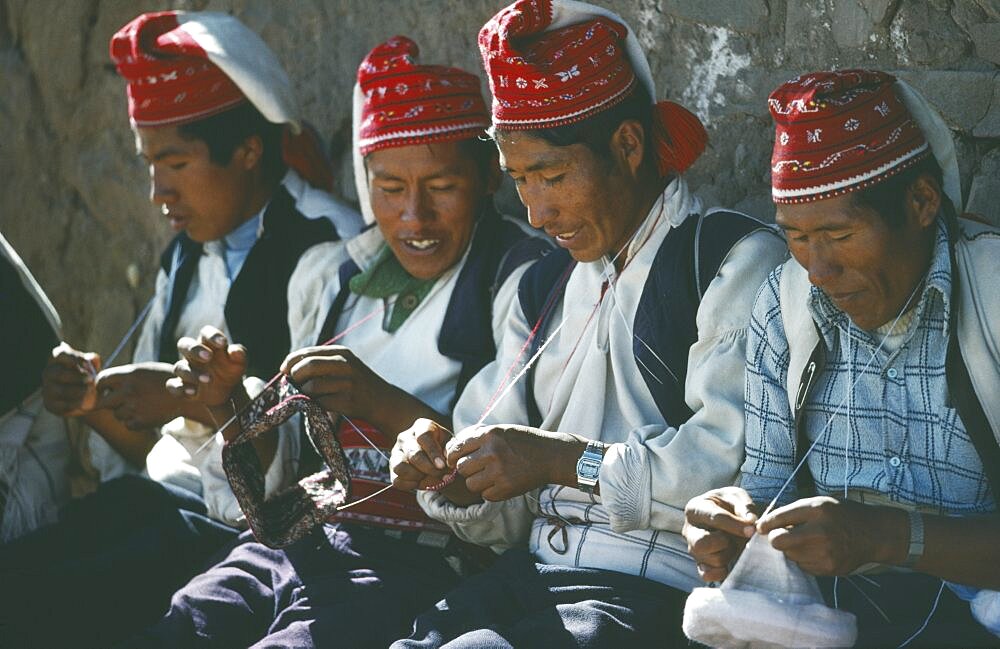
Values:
[(651, 469)]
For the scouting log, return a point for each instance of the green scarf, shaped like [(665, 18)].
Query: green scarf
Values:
[(386, 278)]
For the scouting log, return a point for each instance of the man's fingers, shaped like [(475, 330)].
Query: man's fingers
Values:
[(314, 367), (709, 573), (472, 463), (194, 351), (421, 462), (212, 338), (177, 388), (730, 523), (717, 510), (797, 513), (432, 449), (478, 482), (299, 355), (237, 354), (459, 447), (704, 543), (67, 375)]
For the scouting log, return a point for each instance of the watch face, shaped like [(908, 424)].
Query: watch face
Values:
[(588, 469)]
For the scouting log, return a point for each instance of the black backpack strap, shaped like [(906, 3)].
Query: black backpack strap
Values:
[(716, 235), (665, 321), (179, 261), (466, 335), (814, 368), (347, 271), (970, 409), (540, 288)]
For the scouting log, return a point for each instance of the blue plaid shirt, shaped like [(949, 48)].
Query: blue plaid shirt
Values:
[(903, 439)]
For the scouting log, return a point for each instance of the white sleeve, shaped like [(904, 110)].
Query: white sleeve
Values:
[(311, 290), (647, 480)]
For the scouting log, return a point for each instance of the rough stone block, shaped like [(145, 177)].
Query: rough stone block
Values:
[(963, 98), (989, 126), (986, 38), (854, 21), (742, 16), (986, 188)]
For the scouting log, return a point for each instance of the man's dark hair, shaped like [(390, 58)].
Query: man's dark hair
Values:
[(595, 132), (887, 197), (483, 152), (224, 132)]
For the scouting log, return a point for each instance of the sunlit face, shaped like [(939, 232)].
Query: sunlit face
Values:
[(868, 269), (583, 202), (206, 200), (426, 198)]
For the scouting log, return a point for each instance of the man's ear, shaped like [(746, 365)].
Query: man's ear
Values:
[(628, 145), (250, 153), (923, 201)]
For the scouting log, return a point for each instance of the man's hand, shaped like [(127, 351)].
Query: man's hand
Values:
[(828, 537), (717, 525), (336, 379), (69, 381), (137, 395), (417, 459), (209, 369), (500, 462)]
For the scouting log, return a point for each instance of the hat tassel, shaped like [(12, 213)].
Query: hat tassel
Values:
[(304, 153), (680, 137)]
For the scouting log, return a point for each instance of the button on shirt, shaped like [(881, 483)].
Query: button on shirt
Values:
[(896, 427)]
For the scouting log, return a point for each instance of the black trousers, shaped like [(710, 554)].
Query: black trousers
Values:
[(107, 568)]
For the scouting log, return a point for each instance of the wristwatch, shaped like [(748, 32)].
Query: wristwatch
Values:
[(915, 550), (588, 467)]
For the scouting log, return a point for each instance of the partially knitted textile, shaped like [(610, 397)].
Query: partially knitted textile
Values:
[(555, 62), (292, 513), (766, 601)]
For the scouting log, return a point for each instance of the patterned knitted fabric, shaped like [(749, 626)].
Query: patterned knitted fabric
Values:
[(292, 513), (406, 103), (837, 132)]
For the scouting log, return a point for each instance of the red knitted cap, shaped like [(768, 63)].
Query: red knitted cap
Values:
[(170, 77), (552, 63), (405, 103), (837, 132)]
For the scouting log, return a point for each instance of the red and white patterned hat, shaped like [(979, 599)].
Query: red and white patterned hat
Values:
[(405, 103), (838, 132), (556, 62), (182, 67)]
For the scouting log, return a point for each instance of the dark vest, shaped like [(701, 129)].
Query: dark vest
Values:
[(257, 305), (29, 337), (466, 335), (665, 320)]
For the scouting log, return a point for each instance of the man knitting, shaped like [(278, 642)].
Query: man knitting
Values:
[(634, 395), (872, 355), (214, 118), (415, 305)]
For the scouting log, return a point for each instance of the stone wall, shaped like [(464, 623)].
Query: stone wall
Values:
[(73, 194)]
